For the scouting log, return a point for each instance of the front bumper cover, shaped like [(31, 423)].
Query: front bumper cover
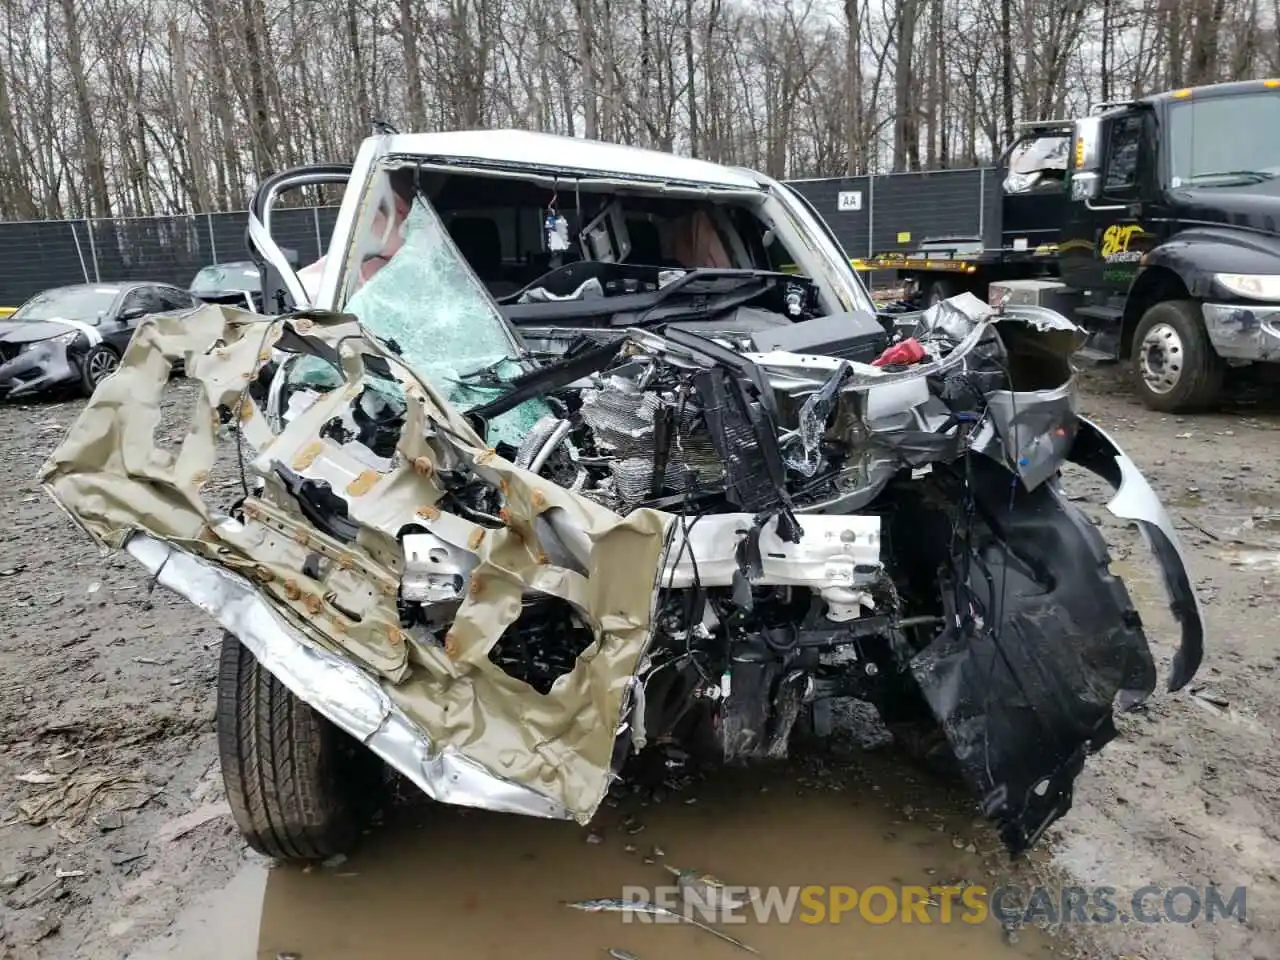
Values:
[(41, 365), (334, 686), (1244, 331)]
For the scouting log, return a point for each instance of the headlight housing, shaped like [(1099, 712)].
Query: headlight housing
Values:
[(1254, 286)]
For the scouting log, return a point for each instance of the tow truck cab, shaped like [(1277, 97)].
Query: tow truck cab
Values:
[(1172, 236)]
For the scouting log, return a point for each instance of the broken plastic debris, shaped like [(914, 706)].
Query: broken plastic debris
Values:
[(181, 826), (119, 858), (905, 353), (108, 820), (1208, 696), (653, 910), (11, 881), (709, 889)]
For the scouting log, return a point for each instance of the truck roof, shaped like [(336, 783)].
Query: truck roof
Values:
[(1212, 90), (525, 148)]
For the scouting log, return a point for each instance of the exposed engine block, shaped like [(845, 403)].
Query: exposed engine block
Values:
[(639, 428)]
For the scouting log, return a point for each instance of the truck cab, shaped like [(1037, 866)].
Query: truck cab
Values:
[(1172, 237)]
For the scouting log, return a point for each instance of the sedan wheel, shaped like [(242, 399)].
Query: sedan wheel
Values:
[(98, 364)]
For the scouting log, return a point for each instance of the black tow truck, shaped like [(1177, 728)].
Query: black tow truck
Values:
[(1154, 222)]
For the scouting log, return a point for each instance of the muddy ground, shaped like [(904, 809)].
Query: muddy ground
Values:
[(115, 840)]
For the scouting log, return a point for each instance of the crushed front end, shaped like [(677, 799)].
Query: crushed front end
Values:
[(668, 536)]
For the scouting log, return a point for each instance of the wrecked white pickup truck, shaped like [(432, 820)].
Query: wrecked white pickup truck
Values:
[(568, 449)]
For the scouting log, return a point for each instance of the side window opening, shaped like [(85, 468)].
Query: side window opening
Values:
[(1122, 155), (144, 299), (1038, 165), (175, 300)]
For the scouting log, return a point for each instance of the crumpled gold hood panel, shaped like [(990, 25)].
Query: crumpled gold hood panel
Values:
[(113, 478)]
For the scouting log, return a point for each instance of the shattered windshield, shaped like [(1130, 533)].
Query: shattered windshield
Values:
[(228, 276), (419, 295), (73, 303), (1039, 163)]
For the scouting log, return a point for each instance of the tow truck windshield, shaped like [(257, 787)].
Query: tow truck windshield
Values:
[(1219, 141)]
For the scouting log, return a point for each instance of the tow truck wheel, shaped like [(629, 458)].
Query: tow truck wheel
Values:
[(1175, 369), (300, 788), (940, 290)]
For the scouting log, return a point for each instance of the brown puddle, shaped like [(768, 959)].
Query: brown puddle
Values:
[(470, 884)]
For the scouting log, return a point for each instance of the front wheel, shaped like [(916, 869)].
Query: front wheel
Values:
[(1175, 369), (98, 364), (299, 787), (941, 289)]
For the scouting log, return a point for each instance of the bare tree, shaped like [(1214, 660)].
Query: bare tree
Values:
[(112, 107)]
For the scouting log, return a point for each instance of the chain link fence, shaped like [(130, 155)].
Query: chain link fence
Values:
[(38, 254)]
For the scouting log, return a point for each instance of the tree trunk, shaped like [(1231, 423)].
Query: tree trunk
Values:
[(190, 129), (16, 199), (934, 99), (95, 164), (260, 119), (690, 79), (855, 145), (364, 112), (906, 142), (1006, 67), (587, 68), (412, 66)]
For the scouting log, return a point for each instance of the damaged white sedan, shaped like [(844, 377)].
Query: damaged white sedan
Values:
[(569, 450)]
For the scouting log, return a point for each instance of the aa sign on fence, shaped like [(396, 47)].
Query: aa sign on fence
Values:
[(849, 200)]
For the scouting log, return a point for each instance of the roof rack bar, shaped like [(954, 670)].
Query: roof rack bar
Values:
[(1109, 104), (1031, 124)]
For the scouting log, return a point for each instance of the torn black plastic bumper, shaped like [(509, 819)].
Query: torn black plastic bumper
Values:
[(1043, 643)]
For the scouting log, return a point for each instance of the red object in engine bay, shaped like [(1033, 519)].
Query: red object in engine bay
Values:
[(905, 353)]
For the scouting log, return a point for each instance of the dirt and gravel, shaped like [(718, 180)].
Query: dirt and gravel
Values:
[(115, 839)]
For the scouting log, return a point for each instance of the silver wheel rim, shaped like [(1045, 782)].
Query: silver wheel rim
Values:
[(1160, 358), (102, 363)]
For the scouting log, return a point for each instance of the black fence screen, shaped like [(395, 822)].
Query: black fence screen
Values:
[(895, 213), (869, 215), (36, 255)]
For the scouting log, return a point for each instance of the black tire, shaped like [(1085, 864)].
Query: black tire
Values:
[(940, 289), (916, 731), (300, 788), (1173, 365), (95, 366)]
